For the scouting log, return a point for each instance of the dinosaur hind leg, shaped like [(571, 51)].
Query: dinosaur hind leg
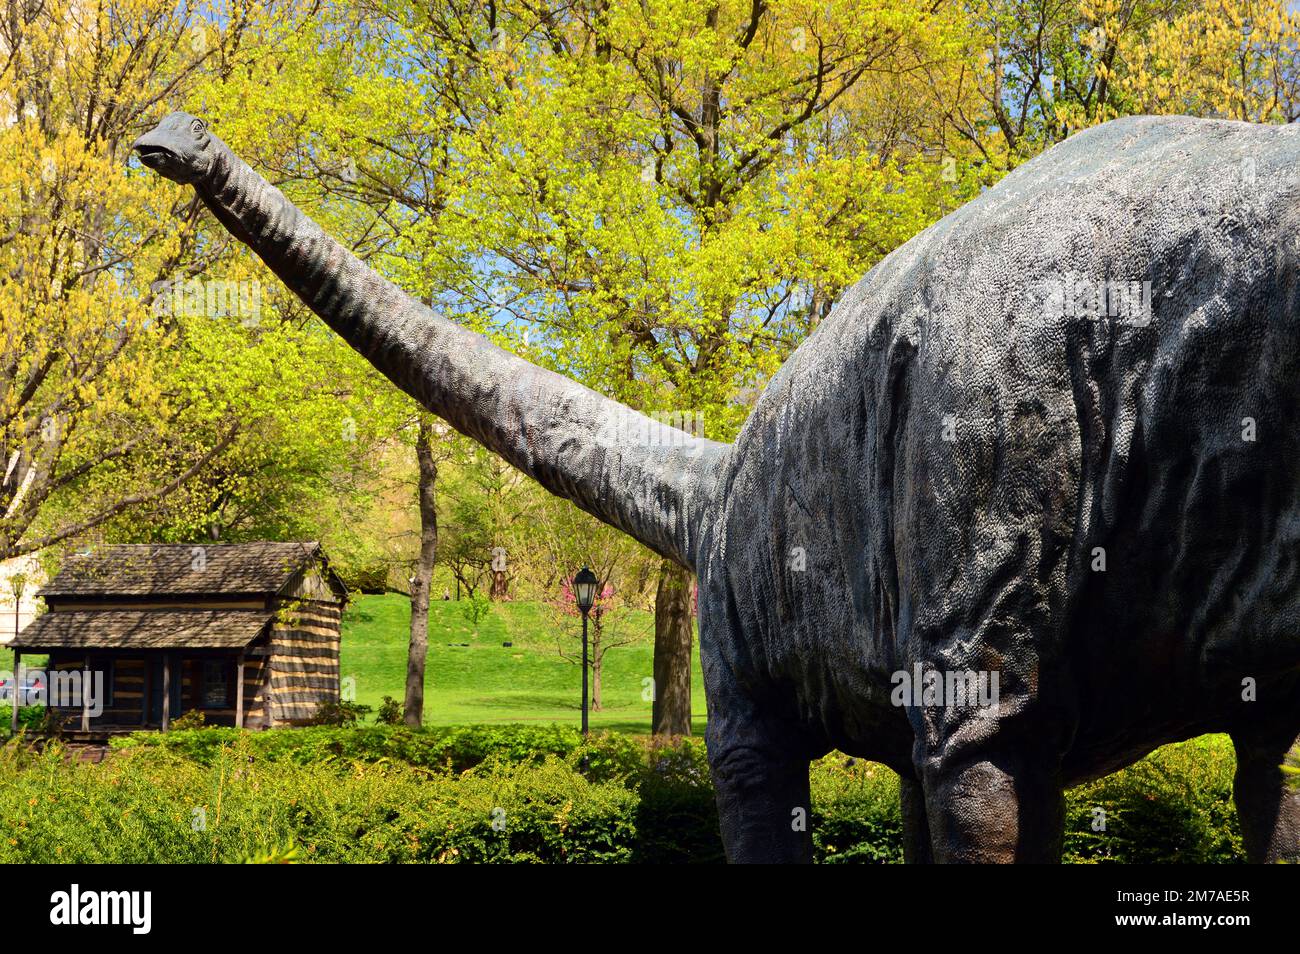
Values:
[(763, 801), (916, 828), (759, 753), (1267, 807)]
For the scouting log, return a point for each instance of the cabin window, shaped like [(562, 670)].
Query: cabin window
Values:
[(216, 684)]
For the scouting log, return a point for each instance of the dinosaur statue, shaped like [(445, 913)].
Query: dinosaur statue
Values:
[(1053, 439)]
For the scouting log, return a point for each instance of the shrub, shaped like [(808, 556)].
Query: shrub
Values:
[(516, 794), (677, 817), (372, 578), (1173, 806), (390, 712), (275, 855), (40, 719), (339, 713), (450, 748), (855, 818), (191, 719), (607, 757), (476, 609), (151, 805), (1291, 767)]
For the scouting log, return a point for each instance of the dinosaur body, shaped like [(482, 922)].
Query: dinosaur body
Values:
[(965, 469)]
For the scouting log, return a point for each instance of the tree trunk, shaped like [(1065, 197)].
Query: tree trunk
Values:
[(419, 648), (500, 586), (671, 712)]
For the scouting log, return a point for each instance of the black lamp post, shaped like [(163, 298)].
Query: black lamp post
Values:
[(584, 589), (18, 583)]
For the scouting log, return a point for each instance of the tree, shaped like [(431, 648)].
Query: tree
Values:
[(487, 506), (603, 632), (152, 385), (399, 152), (723, 172), (423, 576), (1234, 59), (93, 423), (671, 712), (1034, 71)]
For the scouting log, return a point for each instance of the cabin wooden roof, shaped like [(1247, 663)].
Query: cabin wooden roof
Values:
[(186, 570), (144, 629)]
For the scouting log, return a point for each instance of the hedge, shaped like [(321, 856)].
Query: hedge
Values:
[(520, 794)]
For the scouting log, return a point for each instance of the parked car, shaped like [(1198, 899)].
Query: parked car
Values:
[(31, 686)]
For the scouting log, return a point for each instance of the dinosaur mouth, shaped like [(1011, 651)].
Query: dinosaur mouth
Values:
[(164, 161), (154, 156)]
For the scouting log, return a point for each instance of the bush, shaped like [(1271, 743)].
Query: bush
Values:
[(372, 578), (516, 794), (856, 818), (39, 719), (1173, 806), (150, 805), (449, 748), (476, 609), (677, 818), (390, 712), (191, 719), (339, 713)]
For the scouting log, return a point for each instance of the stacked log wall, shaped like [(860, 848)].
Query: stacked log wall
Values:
[(304, 660)]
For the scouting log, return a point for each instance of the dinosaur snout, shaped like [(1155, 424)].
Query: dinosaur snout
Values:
[(152, 152), (175, 148)]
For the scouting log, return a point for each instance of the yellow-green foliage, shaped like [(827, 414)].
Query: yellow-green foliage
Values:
[(516, 794)]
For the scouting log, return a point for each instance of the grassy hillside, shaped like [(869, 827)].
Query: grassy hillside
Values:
[(485, 682)]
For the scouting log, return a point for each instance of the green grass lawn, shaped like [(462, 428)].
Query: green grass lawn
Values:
[(485, 682)]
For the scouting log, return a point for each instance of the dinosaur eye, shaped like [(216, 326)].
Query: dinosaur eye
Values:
[(197, 126)]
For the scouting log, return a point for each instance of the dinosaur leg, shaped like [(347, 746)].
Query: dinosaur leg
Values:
[(1267, 807), (758, 752), (916, 829), (762, 791), (998, 806)]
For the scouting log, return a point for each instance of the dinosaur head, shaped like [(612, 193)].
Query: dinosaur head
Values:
[(180, 148)]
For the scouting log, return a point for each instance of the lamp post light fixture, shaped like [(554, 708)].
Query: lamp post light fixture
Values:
[(18, 583), (584, 589)]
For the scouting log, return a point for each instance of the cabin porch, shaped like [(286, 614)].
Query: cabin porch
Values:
[(144, 690)]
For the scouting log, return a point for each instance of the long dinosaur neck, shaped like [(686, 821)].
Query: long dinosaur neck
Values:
[(651, 482)]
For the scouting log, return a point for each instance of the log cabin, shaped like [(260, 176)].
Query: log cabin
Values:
[(246, 633)]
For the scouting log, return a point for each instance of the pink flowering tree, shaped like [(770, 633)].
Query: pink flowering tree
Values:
[(602, 633)]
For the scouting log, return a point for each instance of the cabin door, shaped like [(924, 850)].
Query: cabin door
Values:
[(155, 689)]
